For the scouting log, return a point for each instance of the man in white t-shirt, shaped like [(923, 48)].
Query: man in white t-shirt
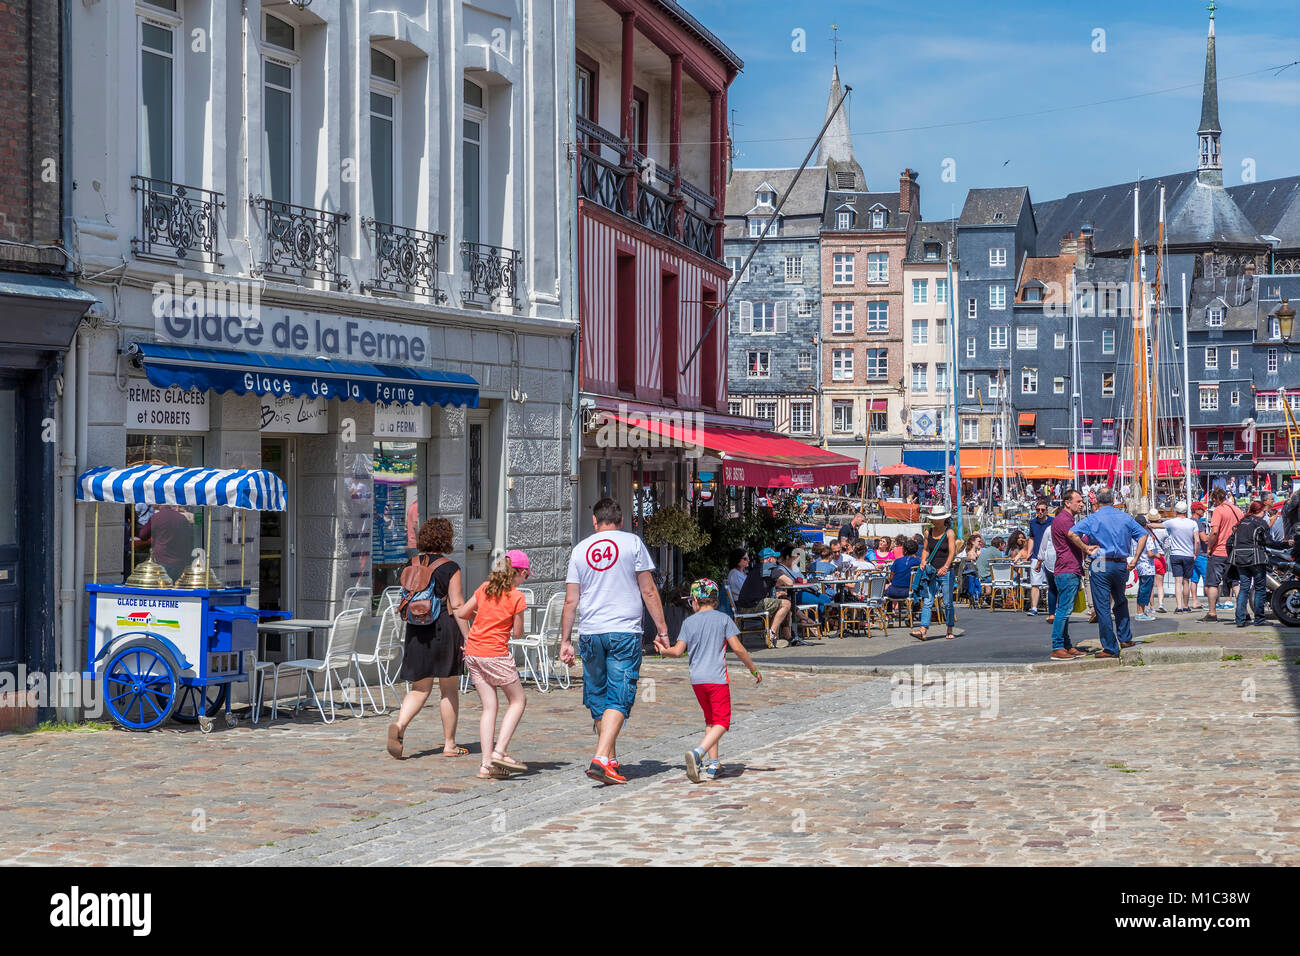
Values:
[(1183, 543), (610, 572)]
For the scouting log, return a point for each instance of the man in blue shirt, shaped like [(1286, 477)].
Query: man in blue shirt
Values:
[(1111, 532), (1038, 527)]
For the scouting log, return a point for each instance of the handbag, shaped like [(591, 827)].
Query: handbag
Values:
[(925, 571), (1080, 602)]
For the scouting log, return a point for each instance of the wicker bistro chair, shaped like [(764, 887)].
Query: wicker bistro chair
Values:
[(868, 611), (1004, 583), (749, 617), (897, 607)]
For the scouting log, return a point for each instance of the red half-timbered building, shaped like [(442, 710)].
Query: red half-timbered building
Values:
[(651, 100)]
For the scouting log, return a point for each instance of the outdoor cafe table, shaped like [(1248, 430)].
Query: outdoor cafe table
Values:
[(811, 586)]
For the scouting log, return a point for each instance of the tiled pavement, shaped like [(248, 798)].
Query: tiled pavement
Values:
[(1194, 763)]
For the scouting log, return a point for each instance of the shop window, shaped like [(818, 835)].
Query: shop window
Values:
[(168, 540), (397, 476)]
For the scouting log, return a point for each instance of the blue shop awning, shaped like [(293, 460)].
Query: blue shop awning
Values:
[(927, 459), (264, 373)]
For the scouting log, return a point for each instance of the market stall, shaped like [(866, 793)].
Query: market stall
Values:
[(165, 648)]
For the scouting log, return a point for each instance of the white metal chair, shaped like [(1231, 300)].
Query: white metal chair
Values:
[(340, 653), (357, 597), (550, 643), (390, 597), (536, 643), (386, 657), (1004, 583)]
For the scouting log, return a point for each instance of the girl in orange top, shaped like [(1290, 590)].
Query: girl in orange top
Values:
[(497, 610)]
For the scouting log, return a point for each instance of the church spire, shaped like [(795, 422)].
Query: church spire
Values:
[(837, 144), (1209, 167)]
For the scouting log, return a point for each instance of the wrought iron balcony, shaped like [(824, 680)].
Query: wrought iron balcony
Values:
[(490, 274), (300, 241), (664, 202), (176, 222), (406, 259)]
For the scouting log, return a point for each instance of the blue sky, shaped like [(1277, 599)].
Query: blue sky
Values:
[(944, 62)]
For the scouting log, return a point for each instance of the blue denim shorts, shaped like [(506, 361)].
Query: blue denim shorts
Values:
[(611, 665)]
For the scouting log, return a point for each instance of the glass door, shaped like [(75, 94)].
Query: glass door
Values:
[(275, 578), (11, 649)]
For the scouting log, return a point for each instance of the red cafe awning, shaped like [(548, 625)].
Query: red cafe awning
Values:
[(1095, 463), (1165, 468), (1027, 419), (753, 458)]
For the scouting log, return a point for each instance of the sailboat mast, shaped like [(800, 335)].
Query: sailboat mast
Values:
[(1157, 302), (1139, 358)]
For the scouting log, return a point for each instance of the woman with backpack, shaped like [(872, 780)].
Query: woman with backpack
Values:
[(431, 594), (497, 610)]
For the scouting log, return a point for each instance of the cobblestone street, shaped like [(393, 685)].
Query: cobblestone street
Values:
[(1177, 764)]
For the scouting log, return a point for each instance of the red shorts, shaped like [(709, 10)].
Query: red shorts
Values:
[(715, 699), (1161, 568)]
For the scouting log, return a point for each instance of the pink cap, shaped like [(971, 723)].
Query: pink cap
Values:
[(518, 560)]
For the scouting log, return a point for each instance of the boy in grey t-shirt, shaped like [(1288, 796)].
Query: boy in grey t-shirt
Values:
[(706, 635)]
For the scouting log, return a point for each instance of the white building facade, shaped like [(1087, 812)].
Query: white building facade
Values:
[(273, 192)]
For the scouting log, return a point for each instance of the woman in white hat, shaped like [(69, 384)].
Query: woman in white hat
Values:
[(937, 555)]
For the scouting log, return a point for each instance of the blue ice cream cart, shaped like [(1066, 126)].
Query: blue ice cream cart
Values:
[(164, 648)]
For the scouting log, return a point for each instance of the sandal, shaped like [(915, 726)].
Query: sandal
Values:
[(395, 741), (507, 762), (770, 639), (919, 635), (486, 772), (458, 752), (949, 636)]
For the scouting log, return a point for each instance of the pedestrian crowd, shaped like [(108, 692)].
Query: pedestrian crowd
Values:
[(1071, 554)]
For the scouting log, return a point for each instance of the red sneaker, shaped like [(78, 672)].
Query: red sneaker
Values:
[(605, 773)]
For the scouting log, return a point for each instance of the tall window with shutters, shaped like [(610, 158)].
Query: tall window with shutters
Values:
[(763, 318)]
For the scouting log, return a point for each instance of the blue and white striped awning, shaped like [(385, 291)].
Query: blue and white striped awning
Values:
[(167, 485)]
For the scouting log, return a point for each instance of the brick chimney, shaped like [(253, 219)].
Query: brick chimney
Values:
[(1068, 244), (909, 195), (1083, 250)]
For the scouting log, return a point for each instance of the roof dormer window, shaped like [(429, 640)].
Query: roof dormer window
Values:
[(932, 250), (877, 219), (766, 198), (1214, 318), (844, 219)]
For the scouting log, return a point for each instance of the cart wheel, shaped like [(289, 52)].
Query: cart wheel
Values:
[(205, 724), (187, 702), (141, 684)]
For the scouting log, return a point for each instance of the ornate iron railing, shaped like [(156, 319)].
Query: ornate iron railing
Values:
[(665, 203), (300, 241), (603, 182), (697, 232), (654, 210), (176, 221), (491, 273), (406, 259)]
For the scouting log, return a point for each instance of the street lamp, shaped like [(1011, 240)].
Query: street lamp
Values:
[(1285, 316)]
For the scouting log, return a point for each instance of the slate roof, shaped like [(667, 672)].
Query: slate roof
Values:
[(1238, 297), (994, 207), (1269, 293), (802, 212), (941, 231), (1205, 214), (862, 204), (1273, 208), (1110, 210)]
